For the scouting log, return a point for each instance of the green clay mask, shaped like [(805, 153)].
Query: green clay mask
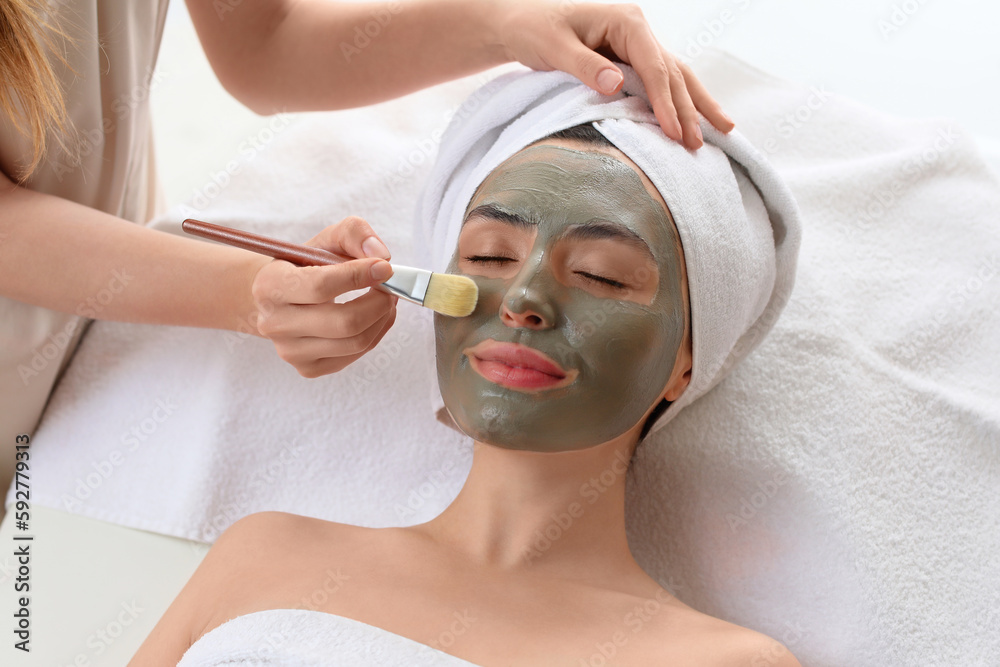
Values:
[(577, 261)]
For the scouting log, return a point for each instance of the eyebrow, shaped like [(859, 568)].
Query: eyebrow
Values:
[(494, 212), (605, 229), (597, 229)]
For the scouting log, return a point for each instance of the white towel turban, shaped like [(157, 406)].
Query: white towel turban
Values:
[(738, 223)]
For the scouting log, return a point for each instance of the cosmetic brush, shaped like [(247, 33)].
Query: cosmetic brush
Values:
[(441, 292)]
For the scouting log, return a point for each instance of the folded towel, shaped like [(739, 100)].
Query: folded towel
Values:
[(839, 490), (306, 638), (737, 221)]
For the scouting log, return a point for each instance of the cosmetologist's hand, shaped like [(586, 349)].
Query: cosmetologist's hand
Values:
[(295, 308), (550, 34)]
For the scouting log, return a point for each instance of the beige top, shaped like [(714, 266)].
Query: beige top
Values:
[(113, 54)]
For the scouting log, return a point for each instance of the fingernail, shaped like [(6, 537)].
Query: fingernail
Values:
[(381, 271), (697, 132), (678, 131), (608, 81), (374, 248), (726, 116)]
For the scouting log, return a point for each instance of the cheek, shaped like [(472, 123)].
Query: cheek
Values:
[(491, 294), (453, 334), (628, 349)]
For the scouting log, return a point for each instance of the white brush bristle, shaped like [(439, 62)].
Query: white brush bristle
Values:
[(451, 295)]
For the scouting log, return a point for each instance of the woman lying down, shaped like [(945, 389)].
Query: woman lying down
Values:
[(620, 277)]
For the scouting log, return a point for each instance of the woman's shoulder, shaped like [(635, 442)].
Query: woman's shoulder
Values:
[(749, 648), (250, 546), (266, 548), (259, 557), (258, 542), (244, 563), (274, 529), (263, 522), (254, 526), (731, 645)]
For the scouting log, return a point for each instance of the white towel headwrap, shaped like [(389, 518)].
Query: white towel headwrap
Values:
[(738, 223)]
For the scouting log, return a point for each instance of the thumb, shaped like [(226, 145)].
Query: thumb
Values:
[(336, 279)]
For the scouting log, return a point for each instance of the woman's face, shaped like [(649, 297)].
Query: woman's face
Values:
[(582, 302)]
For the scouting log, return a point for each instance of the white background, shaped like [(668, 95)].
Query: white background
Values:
[(943, 60)]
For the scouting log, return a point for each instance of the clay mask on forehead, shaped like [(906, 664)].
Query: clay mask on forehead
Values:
[(586, 263)]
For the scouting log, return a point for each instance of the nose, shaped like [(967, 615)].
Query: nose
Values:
[(528, 302)]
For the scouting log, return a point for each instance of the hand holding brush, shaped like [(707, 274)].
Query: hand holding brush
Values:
[(444, 293)]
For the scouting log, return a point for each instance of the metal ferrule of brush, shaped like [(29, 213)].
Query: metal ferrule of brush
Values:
[(408, 283)]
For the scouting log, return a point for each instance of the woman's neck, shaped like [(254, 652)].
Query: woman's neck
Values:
[(559, 513)]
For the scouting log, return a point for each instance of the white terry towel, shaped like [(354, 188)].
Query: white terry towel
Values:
[(307, 638), (839, 490)]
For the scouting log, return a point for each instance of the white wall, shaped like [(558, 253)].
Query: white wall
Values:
[(907, 57)]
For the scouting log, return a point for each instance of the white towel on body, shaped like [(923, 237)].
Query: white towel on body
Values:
[(307, 638), (839, 490)]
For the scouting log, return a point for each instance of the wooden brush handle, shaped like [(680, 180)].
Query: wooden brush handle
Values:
[(302, 255)]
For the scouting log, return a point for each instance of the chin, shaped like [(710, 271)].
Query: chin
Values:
[(493, 426)]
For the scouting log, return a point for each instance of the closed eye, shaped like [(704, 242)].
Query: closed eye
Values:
[(600, 279), (489, 260)]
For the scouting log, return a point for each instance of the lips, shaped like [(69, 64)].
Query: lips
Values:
[(517, 366)]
